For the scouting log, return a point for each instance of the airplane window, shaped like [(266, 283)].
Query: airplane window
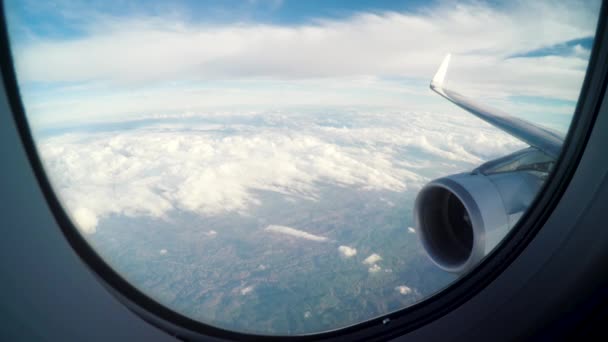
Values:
[(281, 167)]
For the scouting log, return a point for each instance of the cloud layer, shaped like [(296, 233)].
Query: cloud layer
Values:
[(146, 65), (144, 49), (215, 169)]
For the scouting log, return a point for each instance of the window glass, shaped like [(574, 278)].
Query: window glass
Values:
[(255, 165)]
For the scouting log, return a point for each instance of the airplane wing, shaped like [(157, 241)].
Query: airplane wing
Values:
[(541, 138), (461, 217)]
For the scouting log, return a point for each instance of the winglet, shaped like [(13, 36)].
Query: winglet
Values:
[(539, 137), (439, 77)]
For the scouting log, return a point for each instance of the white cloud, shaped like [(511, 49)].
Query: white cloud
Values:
[(85, 219), (372, 259), (246, 290), (163, 251), (404, 290), (347, 251), (161, 48), (158, 65), (579, 51), (211, 233), (179, 165), (294, 232), (374, 269)]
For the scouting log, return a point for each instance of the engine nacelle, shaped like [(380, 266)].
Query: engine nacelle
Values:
[(462, 217)]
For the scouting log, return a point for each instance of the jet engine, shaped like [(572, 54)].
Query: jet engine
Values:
[(461, 218)]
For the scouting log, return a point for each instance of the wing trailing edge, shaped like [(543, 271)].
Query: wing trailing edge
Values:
[(541, 138)]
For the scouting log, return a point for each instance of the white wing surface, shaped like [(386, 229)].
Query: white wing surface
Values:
[(544, 139)]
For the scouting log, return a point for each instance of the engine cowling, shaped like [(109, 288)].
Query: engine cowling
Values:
[(461, 218)]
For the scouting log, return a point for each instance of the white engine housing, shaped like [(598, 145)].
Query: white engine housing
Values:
[(462, 217)]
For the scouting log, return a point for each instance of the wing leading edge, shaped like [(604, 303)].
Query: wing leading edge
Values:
[(538, 137)]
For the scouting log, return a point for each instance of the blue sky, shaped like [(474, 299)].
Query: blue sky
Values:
[(64, 19), (100, 60), (563, 48)]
